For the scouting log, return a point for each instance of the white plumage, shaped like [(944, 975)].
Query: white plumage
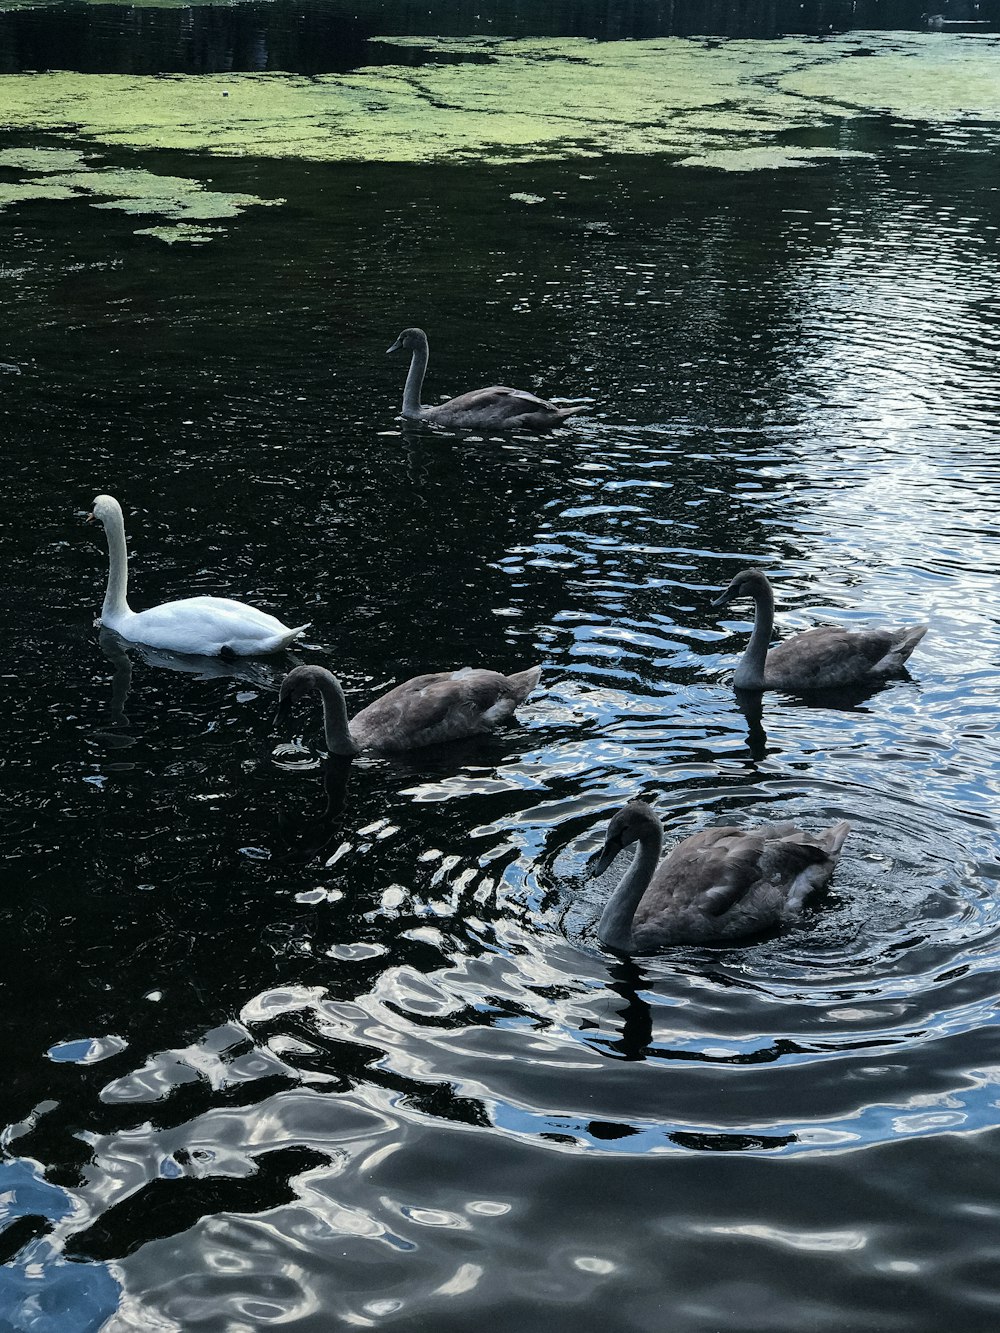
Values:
[(205, 626)]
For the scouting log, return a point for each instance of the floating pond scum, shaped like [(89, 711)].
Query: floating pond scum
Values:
[(734, 106), (523, 99), (185, 205)]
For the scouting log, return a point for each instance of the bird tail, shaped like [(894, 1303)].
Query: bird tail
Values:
[(288, 639), (833, 838), (908, 639), (903, 643), (523, 682)]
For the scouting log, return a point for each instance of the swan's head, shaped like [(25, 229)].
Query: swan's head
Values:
[(317, 680), (408, 341), (107, 510), (747, 583), (297, 684), (627, 826)]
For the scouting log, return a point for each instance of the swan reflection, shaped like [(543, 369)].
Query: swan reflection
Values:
[(119, 652), (751, 705), (637, 1016), (307, 836)]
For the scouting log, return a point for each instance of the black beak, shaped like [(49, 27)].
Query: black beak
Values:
[(397, 346), (723, 597), (283, 714), (600, 862)]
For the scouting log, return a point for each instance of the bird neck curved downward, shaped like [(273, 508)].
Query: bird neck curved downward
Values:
[(615, 926), (336, 726), (750, 672)]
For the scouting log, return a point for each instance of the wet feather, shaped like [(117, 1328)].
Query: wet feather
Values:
[(495, 408), (719, 885)]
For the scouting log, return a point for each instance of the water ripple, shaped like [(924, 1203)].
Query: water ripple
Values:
[(333, 1047)]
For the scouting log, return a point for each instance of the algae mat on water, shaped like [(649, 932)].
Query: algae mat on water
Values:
[(527, 99), (63, 173)]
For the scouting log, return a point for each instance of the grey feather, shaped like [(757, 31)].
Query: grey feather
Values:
[(426, 710), (828, 658), (495, 408), (719, 885)]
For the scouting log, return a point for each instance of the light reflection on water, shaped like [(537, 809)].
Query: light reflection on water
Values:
[(374, 1066)]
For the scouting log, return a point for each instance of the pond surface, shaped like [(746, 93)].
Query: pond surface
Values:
[(285, 1046)]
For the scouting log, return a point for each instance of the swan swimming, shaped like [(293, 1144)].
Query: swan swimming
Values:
[(495, 408), (443, 706), (828, 658), (721, 884), (205, 626)]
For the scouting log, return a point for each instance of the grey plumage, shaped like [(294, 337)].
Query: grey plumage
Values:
[(427, 710), (828, 658), (719, 885), (495, 408)]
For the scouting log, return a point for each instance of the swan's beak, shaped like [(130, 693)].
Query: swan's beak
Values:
[(597, 865), (397, 346), (724, 597), (283, 714), (91, 518)]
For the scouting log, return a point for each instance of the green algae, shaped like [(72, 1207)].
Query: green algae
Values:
[(532, 100), (136, 191), (528, 100), (181, 231), (42, 159), (177, 199), (765, 159), (23, 192), (925, 76)]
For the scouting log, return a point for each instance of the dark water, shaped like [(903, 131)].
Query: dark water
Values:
[(316, 36), (279, 1050)]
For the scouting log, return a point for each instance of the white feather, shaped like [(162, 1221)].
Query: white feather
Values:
[(206, 626)]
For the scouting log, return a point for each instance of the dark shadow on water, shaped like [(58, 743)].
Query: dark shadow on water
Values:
[(167, 1207), (637, 1017), (255, 670), (848, 700), (316, 37), (262, 674), (303, 838), (20, 1232), (468, 756), (751, 705), (702, 1142), (610, 1130)]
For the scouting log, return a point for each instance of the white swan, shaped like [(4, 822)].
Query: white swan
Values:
[(496, 408), (828, 658), (207, 626), (721, 884), (443, 706)]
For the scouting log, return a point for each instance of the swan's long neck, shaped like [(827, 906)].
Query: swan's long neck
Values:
[(336, 726), (414, 381), (750, 672), (615, 926), (115, 600)]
